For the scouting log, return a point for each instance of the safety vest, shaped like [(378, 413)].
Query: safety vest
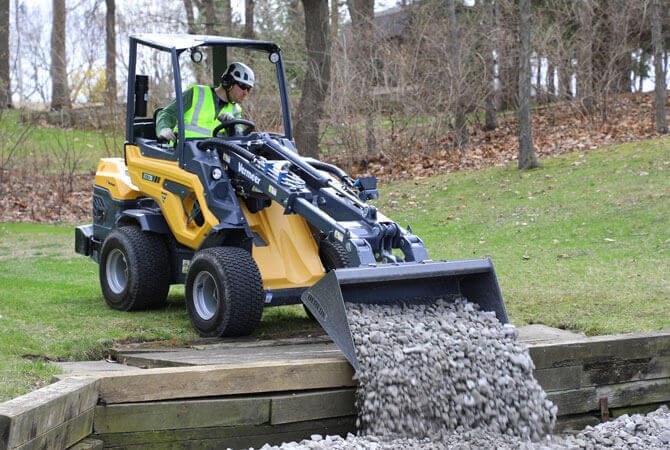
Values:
[(201, 118)]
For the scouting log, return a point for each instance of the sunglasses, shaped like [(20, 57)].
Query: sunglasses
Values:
[(244, 87)]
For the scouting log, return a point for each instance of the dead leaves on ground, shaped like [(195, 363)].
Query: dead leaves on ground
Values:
[(557, 128)]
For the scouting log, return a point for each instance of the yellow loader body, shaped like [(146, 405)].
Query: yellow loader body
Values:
[(288, 257)]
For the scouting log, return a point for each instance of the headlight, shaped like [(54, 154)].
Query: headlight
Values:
[(216, 173)]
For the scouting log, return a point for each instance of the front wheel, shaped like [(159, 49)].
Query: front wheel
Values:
[(224, 292), (134, 269)]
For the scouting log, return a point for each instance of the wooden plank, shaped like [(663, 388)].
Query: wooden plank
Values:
[(575, 423), (574, 401), (559, 378), (64, 435), (175, 415), (231, 355), (27, 417), (636, 393), (602, 373), (601, 348), (228, 437), (617, 371), (88, 444), (216, 380), (312, 405)]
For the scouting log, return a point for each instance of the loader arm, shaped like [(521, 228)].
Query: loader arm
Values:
[(330, 206)]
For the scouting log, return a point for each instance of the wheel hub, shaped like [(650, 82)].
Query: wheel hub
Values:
[(117, 271), (205, 295)]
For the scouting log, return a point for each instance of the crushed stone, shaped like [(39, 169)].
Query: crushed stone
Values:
[(449, 376)]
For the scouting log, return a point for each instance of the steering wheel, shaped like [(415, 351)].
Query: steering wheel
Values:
[(229, 127)]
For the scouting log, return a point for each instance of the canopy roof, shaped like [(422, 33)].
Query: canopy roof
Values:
[(181, 42)]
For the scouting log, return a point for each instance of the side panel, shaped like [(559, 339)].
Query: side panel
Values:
[(290, 257), (113, 193), (179, 204)]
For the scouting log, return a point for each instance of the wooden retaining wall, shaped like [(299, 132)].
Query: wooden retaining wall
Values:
[(604, 376), (250, 404)]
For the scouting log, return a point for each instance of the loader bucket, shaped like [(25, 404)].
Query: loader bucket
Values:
[(423, 282)]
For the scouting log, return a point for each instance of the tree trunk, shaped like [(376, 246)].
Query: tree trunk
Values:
[(491, 114), (507, 69), (210, 16), (227, 19), (527, 159), (5, 82), (334, 22), (19, 65), (585, 55), (362, 15), (659, 68), (249, 19), (60, 95), (317, 77), (453, 45), (110, 55), (539, 92), (551, 80), (564, 80), (190, 18)]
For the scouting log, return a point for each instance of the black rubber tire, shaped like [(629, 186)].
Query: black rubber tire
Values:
[(224, 292), (134, 269), (333, 256)]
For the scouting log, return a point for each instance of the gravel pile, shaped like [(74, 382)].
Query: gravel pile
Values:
[(447, 375), (630, 432), (427, 370)]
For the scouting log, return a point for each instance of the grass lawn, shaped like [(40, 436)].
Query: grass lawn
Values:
[(583, 244)]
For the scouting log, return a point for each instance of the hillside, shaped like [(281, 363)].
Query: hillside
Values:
[(33, 196)]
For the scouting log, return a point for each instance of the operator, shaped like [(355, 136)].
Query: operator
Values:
[(206, 107)]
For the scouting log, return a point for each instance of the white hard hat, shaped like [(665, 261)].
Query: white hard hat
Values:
[(239, 73)]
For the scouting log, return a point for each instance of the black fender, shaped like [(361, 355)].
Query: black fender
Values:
[(148, 220)]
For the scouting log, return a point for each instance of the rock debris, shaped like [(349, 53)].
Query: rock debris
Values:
[(448, 376)]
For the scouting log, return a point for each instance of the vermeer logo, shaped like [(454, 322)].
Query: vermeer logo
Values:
[(150, 177), (248, 173)]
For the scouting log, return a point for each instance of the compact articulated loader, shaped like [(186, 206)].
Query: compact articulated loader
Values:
[(245, 222)]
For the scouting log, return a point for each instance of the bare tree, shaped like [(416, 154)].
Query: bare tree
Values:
[(227, 19), (362, 15), (584, 12), (491, 116), (317, 76), (454, 66), (5, 86), (527, 158), (110, 53), (249, 19), (60, 95), (659, 67)]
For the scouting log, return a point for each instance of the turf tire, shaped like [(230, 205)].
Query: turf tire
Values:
[(224, 292), (134, 269)]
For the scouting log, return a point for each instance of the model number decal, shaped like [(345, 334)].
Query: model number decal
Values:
[(150, 177)]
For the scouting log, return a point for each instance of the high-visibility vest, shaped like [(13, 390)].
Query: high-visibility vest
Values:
[(201, 118)]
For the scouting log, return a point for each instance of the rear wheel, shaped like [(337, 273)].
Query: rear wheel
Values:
[(333, 256), (134, 270), (224, 292)]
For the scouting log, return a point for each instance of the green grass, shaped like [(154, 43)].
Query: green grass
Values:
[(51, 309), (583, 244), (55, 150)]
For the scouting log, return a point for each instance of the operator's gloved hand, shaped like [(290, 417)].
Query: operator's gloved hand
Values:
[(166, 134), (224, 116)]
